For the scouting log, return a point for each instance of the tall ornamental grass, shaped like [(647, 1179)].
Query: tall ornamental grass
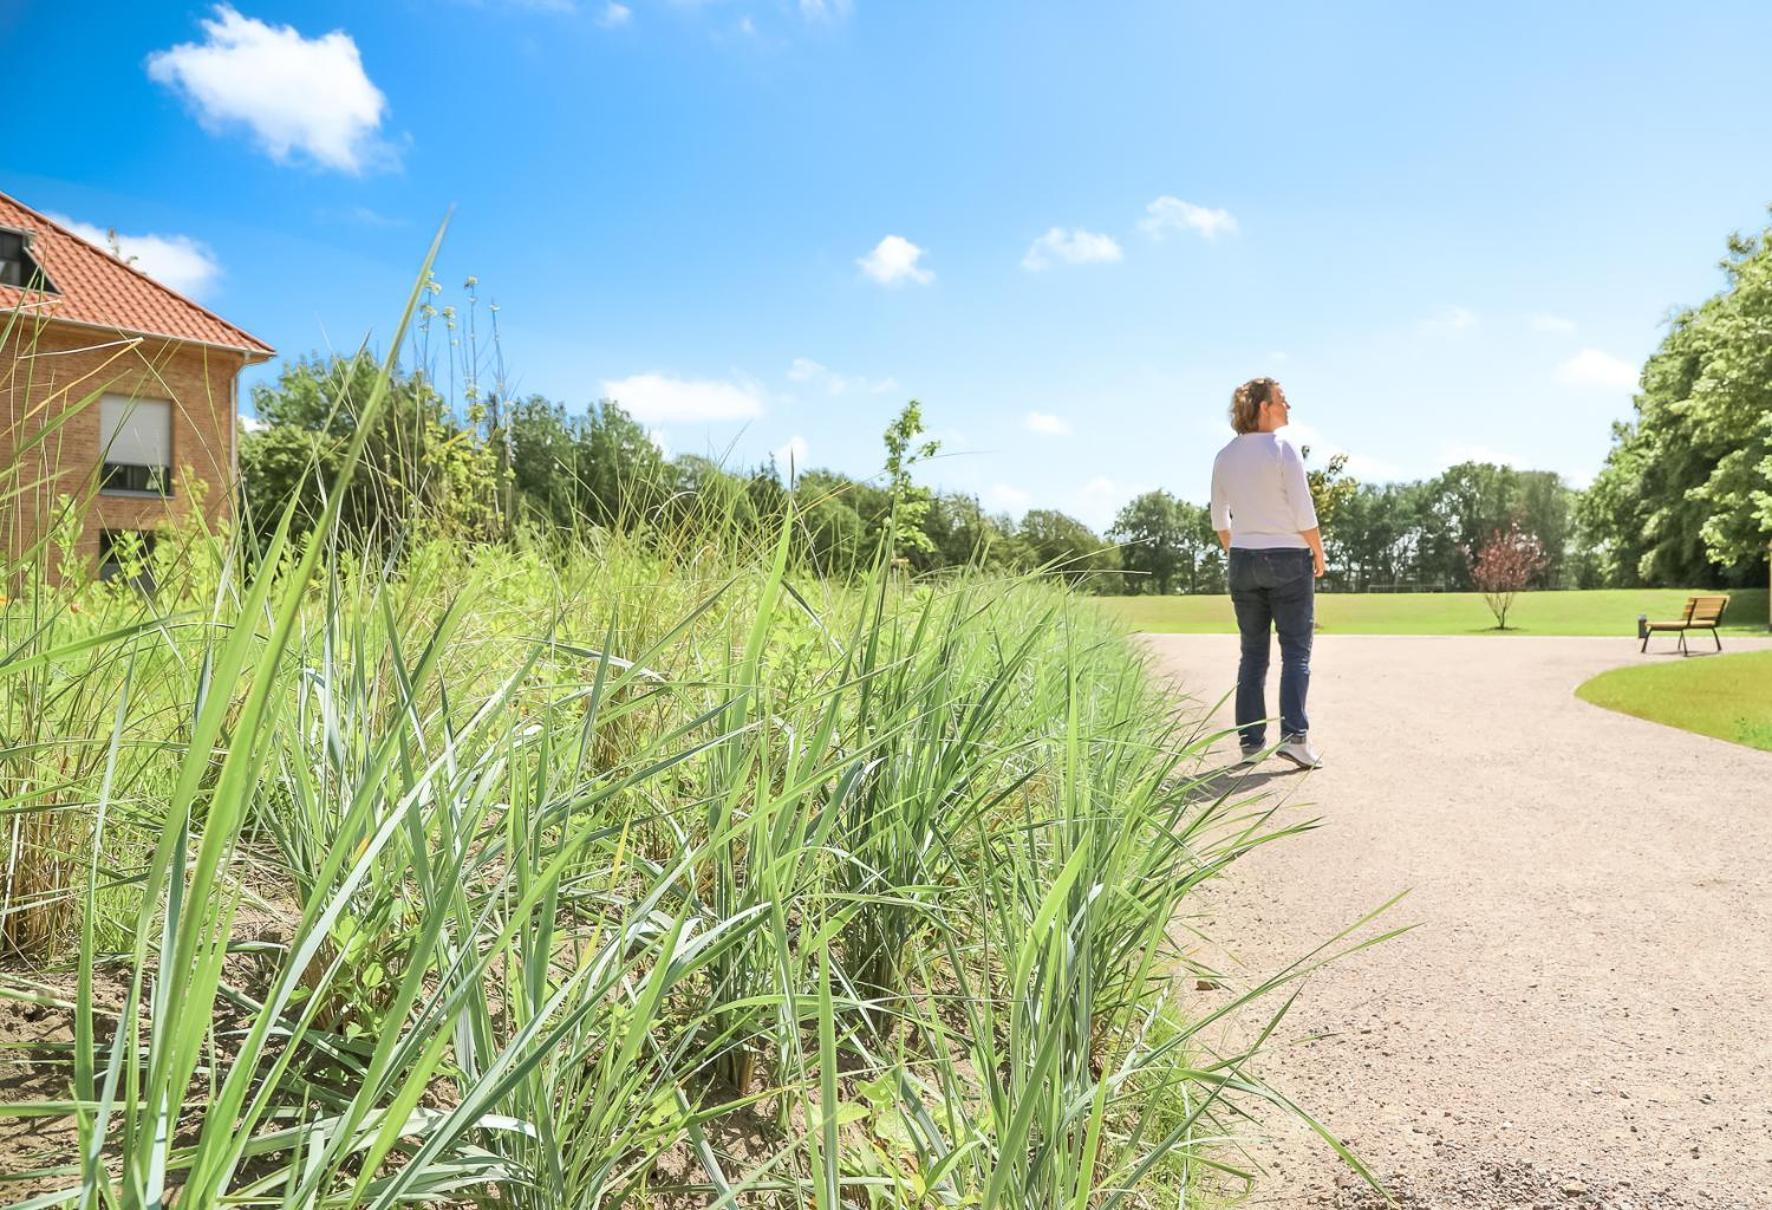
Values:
[(612, 872)]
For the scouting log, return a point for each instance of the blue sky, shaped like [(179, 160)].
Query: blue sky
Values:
[(1069, 230)]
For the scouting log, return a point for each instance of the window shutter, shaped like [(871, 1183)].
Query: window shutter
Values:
[(135, 432)]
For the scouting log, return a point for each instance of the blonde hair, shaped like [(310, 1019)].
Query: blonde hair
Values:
[(1246, 403)]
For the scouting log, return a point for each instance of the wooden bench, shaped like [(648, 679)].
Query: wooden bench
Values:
[(1702, 613)]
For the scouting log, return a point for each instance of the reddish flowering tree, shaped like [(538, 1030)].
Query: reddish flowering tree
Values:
[(1504, 565)]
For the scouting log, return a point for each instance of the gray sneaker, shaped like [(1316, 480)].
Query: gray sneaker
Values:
[(1299, 751), (1250, 758)]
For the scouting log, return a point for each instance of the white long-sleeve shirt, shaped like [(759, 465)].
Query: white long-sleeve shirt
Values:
[(1260, 494)]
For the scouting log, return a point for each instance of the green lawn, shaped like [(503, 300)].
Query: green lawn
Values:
[(1727, 696), (1599, 612)]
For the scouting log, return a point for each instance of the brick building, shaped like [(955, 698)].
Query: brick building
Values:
[(119, 398)]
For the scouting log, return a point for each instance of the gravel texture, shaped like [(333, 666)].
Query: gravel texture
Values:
[(1584, 1015)]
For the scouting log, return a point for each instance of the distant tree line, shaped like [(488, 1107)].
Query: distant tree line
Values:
[(1684, 499), (1423, 535), (533, 465)]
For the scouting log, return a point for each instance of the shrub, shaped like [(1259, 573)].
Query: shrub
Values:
[(1504, 566)]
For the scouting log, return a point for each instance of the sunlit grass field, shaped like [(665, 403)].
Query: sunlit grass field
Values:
[(1726, 696), (1607, 611)]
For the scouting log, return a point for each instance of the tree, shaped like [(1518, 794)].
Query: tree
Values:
[(544, 460), (1506, 564), (962, 534), (1150, 533), (1685, 496), (1065, 547), (834, 534), (910, 502), (1377, 535), (420, 467), (1331, 487)]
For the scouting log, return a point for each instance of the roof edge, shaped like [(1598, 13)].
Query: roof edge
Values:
[(254, 343), (254, 354)]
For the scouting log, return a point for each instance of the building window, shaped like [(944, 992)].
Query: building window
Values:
[(16, 266), (126, 552), (135, 446)]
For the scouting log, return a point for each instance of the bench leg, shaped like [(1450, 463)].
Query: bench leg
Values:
[(1683, 650), (1645, 645), (1713, 635)]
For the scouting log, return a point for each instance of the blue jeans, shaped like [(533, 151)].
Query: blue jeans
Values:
[(1272, 588)]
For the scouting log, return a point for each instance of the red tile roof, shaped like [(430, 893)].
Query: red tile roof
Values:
[(94, 288)]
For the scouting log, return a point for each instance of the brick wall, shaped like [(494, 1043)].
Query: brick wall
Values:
[(48, 368)]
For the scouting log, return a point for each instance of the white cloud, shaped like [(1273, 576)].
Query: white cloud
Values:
[(1005, 497), (615, 15), (1047, 423), (1449, 319), (660, 441), (176, 261), (1074, 247), (1170, 214), (250, 424), (1593, 368), (825, 10), (295, 94), (655, 399), (1552, 323), (792, 456), (804, 369), (894, 261)]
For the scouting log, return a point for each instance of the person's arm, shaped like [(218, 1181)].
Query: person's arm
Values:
[(1304, 510), (1314, 536), (1221, 509)]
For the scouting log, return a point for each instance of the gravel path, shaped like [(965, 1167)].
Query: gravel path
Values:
[(1584, 1016)]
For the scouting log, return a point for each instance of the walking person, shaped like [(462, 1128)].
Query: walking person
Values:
[(1262, 510)]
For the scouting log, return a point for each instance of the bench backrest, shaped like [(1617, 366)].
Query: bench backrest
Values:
[(1706, 611)]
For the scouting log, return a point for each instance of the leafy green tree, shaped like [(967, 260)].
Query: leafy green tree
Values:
[(600, 468), (420, 466), (1149, 530), (544, 461), (622, 473), (1421, 532), (1331, 486), (1466, 503), (963, 534), (1685, 496), (1377, 535), (910, 502), (1065, 547), (1202, 557)]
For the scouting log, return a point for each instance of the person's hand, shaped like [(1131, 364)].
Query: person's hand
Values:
[(1317, 566)]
